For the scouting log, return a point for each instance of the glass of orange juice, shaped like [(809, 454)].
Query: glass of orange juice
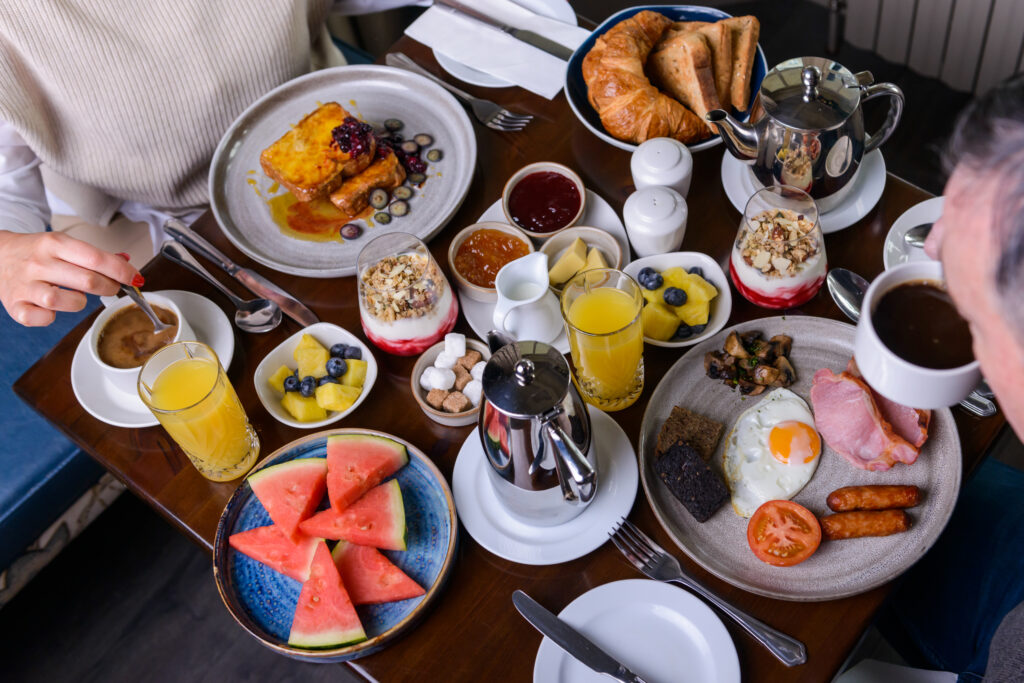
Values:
[(186, 388), (601, 309)]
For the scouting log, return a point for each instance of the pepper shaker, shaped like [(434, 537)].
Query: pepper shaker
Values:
[(662, 161), (655, 219)]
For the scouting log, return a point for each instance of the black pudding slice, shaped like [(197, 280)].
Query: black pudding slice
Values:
[(691, 480)]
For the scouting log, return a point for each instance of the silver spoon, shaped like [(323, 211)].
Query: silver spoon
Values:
[(917, 235), (135, 295), (848, 290), (254, 315)]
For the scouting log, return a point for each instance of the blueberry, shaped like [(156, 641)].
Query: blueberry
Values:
[(697, 329), (696, 270), (291, 383), (336, 367), (674, 296), (308, 386), (649, 278), (354, 352), (327, 379), (338, 350), (683, 332)]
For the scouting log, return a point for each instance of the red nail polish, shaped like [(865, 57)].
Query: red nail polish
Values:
[(122, 255), (138, 281)]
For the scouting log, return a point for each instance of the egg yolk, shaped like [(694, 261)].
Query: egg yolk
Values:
[(793, 441)]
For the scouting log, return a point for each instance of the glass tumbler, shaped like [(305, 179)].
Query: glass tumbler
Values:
[(185, 387)]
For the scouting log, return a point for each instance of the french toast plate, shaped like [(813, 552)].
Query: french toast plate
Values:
[(241, 195), (839, 568)]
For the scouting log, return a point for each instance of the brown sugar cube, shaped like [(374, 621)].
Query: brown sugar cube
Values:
[(471, 358), (462, 377), (456, 402), (436, 398)]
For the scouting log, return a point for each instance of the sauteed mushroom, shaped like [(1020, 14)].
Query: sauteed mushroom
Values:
[(750, 362)]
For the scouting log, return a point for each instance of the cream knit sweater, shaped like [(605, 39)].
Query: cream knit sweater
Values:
[(130, 99)]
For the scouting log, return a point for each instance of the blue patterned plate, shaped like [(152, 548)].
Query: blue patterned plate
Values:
[(263, 601), (576, 87)]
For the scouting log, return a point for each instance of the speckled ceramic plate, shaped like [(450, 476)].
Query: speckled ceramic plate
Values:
[(263, 601), (239, 190), (838, 568)]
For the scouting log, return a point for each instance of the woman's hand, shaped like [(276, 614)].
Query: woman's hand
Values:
[(42, 273)]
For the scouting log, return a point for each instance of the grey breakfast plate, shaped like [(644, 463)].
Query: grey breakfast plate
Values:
[(239, 190), (838, 568)]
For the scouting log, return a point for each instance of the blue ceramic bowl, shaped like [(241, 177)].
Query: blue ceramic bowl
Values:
[(576, 88), (263, 601)]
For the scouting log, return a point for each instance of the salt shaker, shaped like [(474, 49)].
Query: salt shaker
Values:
[(662, 161), (655, 219)]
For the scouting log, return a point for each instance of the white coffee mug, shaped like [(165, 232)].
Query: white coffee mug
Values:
[(892, 376), (526, 307), (125, 379)]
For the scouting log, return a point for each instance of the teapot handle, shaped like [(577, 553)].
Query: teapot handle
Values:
[(572, 465), (875, 141)]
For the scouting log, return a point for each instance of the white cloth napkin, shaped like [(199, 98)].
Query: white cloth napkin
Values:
[(490, 50)]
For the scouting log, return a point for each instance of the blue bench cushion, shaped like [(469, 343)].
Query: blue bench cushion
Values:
[(41, 472)]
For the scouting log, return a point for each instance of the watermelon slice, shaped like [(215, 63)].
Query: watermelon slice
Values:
[(324, 616), (358, 462), (272, 547), (291, 491), (377, 519), (370, 577)]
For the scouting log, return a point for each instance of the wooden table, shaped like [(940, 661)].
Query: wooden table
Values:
[(474, 633)]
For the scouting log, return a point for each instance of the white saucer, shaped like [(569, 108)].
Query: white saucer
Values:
[(554, 9), (121, 409), (598, 214), (739, 184), (896, 251), (660, 632), (494, 529)]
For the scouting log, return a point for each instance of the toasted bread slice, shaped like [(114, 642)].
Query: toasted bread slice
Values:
[(306, 160), (682, 67), (719, 39), (745, 32), (353, 195)]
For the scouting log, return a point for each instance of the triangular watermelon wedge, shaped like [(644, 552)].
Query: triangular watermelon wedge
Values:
[(370, 577), (324, 616), (358, 462), (291, 491), (377, 520), (272, 547)]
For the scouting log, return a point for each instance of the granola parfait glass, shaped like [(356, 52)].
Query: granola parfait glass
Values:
[(405, 303), (778, 259)]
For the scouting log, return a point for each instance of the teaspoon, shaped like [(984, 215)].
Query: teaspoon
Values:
[(917, 235), (848, 289), (135, 295), (254, 315)]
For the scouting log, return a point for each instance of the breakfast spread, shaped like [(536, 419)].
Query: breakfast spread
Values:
[(698, 67), (677, 302), (778, 260), (128, 341), (751, 363), (452, 384), (544, 201), (325, 380), (578, 258), (484, 252)]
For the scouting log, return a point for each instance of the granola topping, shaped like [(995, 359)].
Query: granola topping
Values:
[(401, 287), (778, 243)]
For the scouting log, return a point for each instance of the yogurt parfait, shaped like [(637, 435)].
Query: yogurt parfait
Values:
[(778, 259), (405, 303)]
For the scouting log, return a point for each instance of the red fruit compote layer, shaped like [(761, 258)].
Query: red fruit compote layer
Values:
[(778, 260), (406, 304)]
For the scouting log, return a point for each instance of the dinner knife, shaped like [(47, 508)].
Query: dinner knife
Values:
[(253, 281), (571, 640), (529, 37)]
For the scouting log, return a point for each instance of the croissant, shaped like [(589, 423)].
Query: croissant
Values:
[(630, 108)]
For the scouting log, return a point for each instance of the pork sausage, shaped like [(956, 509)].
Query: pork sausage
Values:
[(873, 497), (864, 523)]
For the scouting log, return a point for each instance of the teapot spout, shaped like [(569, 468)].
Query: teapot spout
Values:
[(740, 139)]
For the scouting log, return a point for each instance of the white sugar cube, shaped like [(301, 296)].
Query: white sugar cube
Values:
[(473, 391), (455, 344), (477, 371), (425, 380), (445, 360), (442, 378)]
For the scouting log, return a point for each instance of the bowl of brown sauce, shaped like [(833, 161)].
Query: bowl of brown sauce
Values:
[(543, 199), (479, 251)]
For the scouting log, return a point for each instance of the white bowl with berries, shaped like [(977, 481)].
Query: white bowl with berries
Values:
[(446, 378), (315, 377)]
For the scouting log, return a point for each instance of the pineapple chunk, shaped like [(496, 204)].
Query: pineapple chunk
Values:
[(356, 374), (569, 263), (338, 397), (659, 322), (307, 341), (594, 260), (698, 288), (313, 361), (693, 312), (276, 381), (301, 408)]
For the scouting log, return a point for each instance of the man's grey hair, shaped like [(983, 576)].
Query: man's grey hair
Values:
[(989, 141)]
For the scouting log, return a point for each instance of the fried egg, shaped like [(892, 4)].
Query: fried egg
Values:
[(772, 451)]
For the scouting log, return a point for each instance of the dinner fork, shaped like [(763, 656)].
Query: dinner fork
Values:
[(489, 113), (651, 559)]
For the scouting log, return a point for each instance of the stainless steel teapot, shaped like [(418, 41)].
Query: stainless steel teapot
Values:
[(806, 127), (535, 432)]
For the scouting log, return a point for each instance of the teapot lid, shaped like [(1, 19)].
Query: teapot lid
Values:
[(525, 379), (810, 93)]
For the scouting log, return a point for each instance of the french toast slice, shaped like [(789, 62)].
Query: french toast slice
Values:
[(308, 162), (682, 67), (745, 32), (353, 195), (719, 39)]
